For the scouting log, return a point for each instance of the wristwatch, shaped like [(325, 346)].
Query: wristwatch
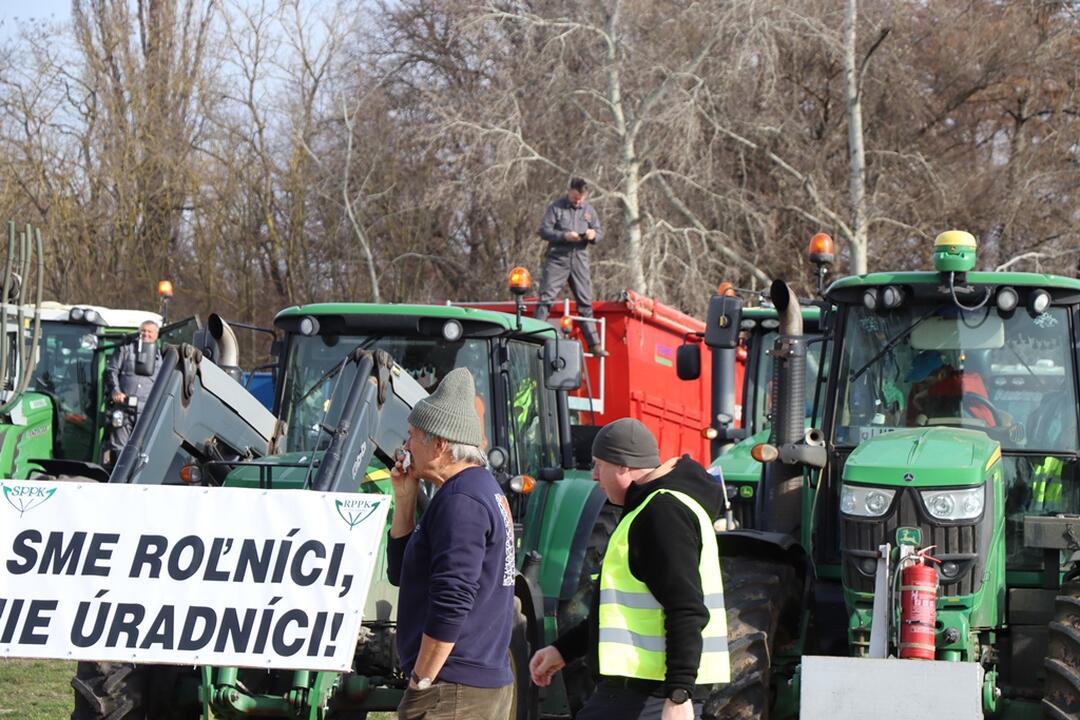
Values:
[(678, 696), (424, 683)]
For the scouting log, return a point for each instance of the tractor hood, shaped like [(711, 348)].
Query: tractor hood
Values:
[(923, 458), (288, 471), (737, 465)]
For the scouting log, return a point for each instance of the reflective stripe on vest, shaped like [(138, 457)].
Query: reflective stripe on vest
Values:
[(632, 638)]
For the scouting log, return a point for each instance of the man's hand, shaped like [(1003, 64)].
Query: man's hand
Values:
[(571, 237), (682, 711), (589, 235), (403, 477), (118, 397), (546, 662), (406, 484)]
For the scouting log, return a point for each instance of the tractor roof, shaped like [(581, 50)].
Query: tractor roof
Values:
[(111, 317), (972, 278), (398, 317)]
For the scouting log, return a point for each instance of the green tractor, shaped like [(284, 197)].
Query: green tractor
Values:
[(74, 347), (25, 416), (199, 429), (932, 518)]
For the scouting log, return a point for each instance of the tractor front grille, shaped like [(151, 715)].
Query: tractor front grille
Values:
[(966, 543), (743, 511)]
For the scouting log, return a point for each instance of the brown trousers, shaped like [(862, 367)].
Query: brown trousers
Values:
[(450, 701)]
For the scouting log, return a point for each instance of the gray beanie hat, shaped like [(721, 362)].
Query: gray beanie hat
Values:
[(450, 411), (626, 442)]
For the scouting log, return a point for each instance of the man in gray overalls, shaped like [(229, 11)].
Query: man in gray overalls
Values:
[(122, 381), (569, 225)]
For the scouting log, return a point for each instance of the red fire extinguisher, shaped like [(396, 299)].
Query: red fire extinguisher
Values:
[(918, 607)]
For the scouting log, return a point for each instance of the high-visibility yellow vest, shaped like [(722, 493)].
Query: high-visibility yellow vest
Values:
[(1047, 486), (632, 638)]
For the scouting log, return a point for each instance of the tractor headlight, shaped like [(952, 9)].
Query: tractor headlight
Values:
[(865, 501), (954, 504), (452, 331), (309, 326)]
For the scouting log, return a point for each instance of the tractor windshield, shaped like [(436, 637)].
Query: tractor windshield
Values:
[(1010, 375), (309, 380), (65, 370)]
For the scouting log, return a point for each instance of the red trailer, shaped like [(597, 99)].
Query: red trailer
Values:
[(638, 377)]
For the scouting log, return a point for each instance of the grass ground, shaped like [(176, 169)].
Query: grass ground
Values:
[(35, 689), (41, 690)]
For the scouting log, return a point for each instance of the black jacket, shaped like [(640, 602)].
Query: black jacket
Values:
[(665, 549)]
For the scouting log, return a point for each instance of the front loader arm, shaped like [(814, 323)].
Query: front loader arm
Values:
[(374, 420), (195, 412)]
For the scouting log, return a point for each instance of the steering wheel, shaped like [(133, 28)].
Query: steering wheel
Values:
[(969, 401)]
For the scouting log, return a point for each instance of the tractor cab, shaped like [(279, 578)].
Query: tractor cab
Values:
[(948, 449), (929, 366), (519, 411), (74, 347)]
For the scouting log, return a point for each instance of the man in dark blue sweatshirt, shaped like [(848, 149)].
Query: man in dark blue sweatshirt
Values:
[(455, 568)]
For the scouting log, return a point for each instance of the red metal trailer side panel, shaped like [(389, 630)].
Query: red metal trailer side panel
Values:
[(638, 377)]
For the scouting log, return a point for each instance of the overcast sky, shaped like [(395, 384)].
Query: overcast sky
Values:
[(36, 9), (14, 11)]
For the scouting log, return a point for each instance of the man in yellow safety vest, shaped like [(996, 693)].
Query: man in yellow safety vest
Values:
[(657, 632)]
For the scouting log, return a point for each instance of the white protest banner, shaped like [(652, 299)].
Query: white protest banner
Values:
[(180, 575)]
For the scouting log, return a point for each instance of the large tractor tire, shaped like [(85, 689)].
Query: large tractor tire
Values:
[(762, 599), (124, 691), (576, 675), (108, 691), (1061, 696)]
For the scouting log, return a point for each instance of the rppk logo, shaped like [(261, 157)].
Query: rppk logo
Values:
[(25, 498), (355, 512)]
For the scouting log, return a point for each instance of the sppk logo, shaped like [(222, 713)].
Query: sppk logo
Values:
[(355, 512), (25, 498)]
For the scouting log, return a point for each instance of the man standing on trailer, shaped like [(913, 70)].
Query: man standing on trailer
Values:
[(657, 632), (569, 225)]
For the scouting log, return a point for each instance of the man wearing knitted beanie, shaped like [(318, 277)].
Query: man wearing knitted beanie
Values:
[(455, 567), (656, 635)]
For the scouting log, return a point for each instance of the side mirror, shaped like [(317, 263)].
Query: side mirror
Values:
[(688, 361), (552, 474), (722, 322), (277, 347), (145, 353), (562, 364)]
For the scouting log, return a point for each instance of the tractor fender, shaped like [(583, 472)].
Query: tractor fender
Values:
[(780, 547), (532, 606), (558, 521), (590, 511)]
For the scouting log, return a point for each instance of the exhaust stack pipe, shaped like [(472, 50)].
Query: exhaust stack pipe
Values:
[(217, 343), (787, 305), (789, 369), (780, 501), (228, 349)]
